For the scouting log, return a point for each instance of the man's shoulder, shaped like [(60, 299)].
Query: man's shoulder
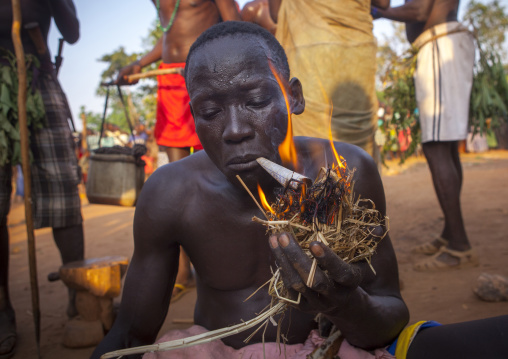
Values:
[(172, 186), (171, 181)]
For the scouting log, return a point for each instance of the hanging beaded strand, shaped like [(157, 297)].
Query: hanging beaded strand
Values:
[(171, 20)]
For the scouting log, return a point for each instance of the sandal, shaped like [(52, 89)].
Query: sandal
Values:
[(435, 263), (179, 293), (8, 345), (430, 247)]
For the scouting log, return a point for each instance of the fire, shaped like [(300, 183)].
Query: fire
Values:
[(340, 160), (264, 202), (287, 150)]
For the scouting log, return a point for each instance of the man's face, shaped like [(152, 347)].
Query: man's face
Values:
[(238, 106)]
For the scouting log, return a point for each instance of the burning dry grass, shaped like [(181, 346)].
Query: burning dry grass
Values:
[(324, 211)]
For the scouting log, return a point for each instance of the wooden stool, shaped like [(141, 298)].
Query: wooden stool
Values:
[(96, 281)]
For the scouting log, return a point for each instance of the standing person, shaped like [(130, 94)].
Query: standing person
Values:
[(443, 80), (55, 175), (332, 50), (182, 21)]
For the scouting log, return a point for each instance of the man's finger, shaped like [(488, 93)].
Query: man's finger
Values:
[(339, 271), (290, 276), (302, 264)]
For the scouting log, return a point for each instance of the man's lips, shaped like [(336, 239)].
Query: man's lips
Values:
[(243, 163)]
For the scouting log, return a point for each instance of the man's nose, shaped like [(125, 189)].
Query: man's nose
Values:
[(238, 128)]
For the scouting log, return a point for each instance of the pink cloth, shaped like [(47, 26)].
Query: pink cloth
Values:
[(218, 350)]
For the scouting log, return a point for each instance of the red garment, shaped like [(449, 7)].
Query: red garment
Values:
[(174, 126), (404, 139)]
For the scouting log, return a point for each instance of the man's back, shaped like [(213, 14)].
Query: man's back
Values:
[(439, 11)]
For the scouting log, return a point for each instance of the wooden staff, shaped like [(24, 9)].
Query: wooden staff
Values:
[(23, 132), (153, 73)]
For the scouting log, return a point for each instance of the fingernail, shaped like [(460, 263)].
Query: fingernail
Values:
[(284, 240), (316, 250), (273, 241)]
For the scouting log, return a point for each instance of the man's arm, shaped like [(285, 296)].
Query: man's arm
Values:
[(381, 4), (150, 277), (411, 11), (366, 307), (135, 68), (258, 12), (64, 13), (274, 9), (228, 10)]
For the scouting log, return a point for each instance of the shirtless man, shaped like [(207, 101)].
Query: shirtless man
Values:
[(55, 176), (174, 129), (443, 80), (198, 203)]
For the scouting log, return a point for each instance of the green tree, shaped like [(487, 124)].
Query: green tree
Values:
[(388, 53), (489, 95), (93, 119), (489, 23), (140, 99)]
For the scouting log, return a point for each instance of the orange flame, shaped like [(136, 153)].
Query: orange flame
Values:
[(287, 150), (264, 202), (340, 160)]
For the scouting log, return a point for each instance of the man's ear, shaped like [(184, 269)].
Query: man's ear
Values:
[(297, 100)]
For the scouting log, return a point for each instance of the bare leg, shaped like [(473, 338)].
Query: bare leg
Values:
[(446, 170), (70, 243), (484, 338), (7, 317), (177, 153)]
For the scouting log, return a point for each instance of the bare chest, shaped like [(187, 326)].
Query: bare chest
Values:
[(229, 250)]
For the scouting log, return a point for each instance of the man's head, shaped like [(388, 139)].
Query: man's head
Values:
[(242, 28), (238, 105)]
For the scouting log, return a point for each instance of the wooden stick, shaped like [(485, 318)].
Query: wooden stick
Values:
[(153, 73), (254, 198), (25, 159)]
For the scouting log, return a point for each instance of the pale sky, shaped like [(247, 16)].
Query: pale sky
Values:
[(107, 25)]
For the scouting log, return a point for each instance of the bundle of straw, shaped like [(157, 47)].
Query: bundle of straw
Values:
[(323, 211)]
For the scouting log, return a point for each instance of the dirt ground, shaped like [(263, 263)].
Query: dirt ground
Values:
[(414, 217)]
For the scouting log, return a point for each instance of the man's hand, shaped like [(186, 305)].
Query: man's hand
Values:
[(333, 281), (375, 13), (134, 68)]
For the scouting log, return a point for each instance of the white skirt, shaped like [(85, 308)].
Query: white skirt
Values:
[(443, 80)]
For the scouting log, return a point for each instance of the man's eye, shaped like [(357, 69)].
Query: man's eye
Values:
[(260, 102), (210, 113)]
